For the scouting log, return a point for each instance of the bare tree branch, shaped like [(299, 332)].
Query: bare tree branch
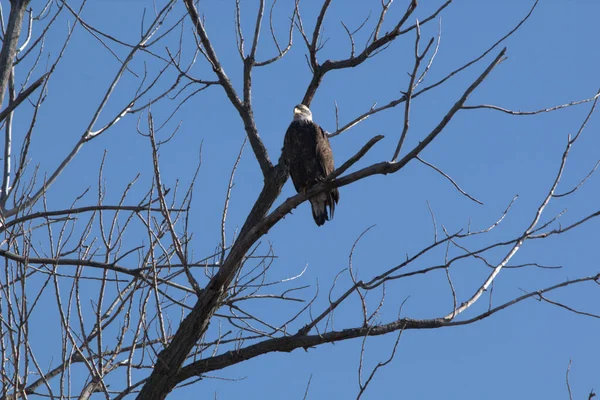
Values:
[(243, 108), (10, 42), (290, 343)]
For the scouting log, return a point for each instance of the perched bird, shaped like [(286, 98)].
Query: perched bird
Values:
[(307, 152)]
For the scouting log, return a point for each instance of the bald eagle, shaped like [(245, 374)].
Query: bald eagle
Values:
[(307, 152)]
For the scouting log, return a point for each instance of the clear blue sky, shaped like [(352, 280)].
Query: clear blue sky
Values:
[(522, 352)]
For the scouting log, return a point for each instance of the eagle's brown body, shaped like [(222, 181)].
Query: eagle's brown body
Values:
[(308, 155)]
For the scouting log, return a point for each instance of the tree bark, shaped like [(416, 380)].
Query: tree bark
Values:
[(169, 362), (11, 40)]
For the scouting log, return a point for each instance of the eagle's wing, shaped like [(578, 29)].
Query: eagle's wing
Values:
[(323, 152), (325, 157)]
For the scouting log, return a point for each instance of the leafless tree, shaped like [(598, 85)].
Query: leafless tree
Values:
[(133, 301)]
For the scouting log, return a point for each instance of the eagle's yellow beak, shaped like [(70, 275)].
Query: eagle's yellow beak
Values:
[(297, 110)]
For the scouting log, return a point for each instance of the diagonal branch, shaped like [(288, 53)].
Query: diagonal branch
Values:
[(280, 52), (259, 17), (300, 341), (377, 44), (450, 179), (243, 108), (23, 96), (314, 44), (534, 112), (352, 160)]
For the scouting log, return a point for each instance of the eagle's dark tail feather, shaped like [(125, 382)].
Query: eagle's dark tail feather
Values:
[(319, 211), (319, 206)]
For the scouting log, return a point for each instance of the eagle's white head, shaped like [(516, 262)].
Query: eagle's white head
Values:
[(302, 113)]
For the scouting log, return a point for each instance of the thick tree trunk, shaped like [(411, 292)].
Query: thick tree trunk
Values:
[(169, 362)]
